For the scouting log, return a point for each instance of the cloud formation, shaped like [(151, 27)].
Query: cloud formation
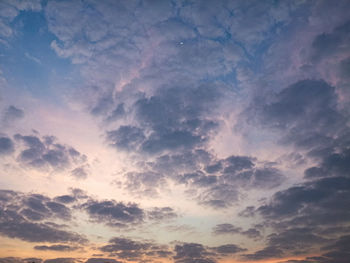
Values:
[(205, 121)]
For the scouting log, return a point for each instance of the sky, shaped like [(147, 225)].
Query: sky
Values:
[(174, 131)]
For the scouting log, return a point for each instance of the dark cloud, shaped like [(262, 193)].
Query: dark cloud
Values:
[(213, 168), (6, 146), (223, 191), (266, 253), (217, 191), (21, 216), (102, 260), (129, 249), (228, 249), (170, 140), (219, 196), (334, 164), (229, 229), (322, 202), (126, 138), (237, 163), (223, 229), (144, 183), (12, 113), (117, 113), (296, 239), (249, 211), (313, 209), (342, 244), (252, 233), (115, 214), (339, 253), (263, 178), (328, 44), (308, 115), (66, 199), (192, 252), (172, 119), (61, 260), (20, 260), (122, 244), (80, 172), (161, 213), (63, 248), (47, 153), (15, 227)]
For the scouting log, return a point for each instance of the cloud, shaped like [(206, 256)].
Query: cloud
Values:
[(228, 249), (20, 260), (81, 172), (328, 44), (103, 260), (313, 200), (61, 260), (66, 199), (307, 113), (333, 164), (10, 10), (46, 152), (12, 114), (296, 239), (339, 253), (6, 146), (161, 79), (126, 248), (161, 213), (144, 183), (223, 229), (21, 216), (266, 253), (191, 253), (229, 229), (63, 248), (115, 214), (126, 137), (217, 190), (311, 208), (35, 232)]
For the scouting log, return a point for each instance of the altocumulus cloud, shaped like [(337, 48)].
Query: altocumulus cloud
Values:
[(217, 98), (24, 217)]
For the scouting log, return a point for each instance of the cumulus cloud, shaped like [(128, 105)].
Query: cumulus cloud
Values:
[(192, 252), (164, 80), (126, 248), (114, 213), (229, 229), (162, 213), (6, 146), (311, 208), (22, 216), (48, 153), (104, 260), (20, 260), (62, 248), (61, 260), (12, 113), (125, 215)]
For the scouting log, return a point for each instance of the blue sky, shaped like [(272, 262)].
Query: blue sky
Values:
[(174, 131)]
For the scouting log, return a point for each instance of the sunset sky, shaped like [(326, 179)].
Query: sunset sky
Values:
[(174, 131)]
